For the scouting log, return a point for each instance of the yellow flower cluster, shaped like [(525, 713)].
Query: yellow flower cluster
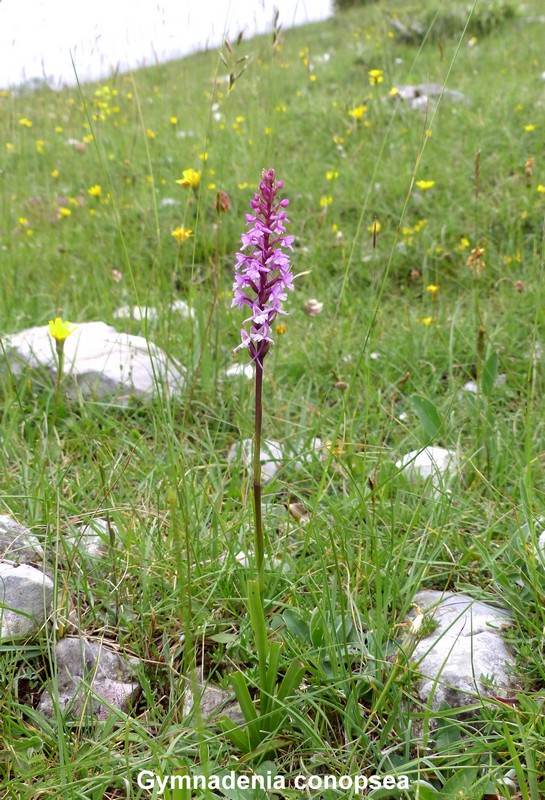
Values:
[(181, 234), (409, 232), (358, 112), (102, 103), (190, 179), (375, 76)]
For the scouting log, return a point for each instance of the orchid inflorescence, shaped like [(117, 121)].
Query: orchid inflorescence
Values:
[(263, 267)]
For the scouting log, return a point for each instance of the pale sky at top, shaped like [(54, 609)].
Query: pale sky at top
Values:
[(36, 36)]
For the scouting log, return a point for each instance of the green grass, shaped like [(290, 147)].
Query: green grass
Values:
[(160, 470)]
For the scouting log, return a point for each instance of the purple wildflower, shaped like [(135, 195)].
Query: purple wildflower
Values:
[(262, 267)]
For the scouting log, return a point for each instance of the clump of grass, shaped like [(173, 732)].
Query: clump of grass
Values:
[(439, 21)]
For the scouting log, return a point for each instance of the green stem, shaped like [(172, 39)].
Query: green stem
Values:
[(258, 523), (60, 364)]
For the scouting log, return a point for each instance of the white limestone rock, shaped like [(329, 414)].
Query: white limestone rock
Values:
[(270, 456), (425, 96), (236, 370), (151, 314), (99, 362), (472, 387), (213, 701), (183, 308), (17, 543), (436, 463), (89, 677), (465, 655), (138, 313), (93, 538), (26, 599)]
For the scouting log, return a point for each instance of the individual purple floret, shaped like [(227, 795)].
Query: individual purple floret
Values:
[(262, 271)]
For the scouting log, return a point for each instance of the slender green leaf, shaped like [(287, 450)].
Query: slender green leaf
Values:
[(238, 682), (272, 668), (490, 373), (316, 628), (291, 680), (429, 416), (296, 625), (257, 617), (238, 736)]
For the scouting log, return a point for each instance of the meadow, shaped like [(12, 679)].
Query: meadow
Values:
[(421, 232)]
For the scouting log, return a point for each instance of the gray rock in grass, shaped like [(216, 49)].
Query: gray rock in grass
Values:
[(213, 701), (17, 543), (436, 463), (26, 599), (99, 362), (271, 457), (90, 677), (92, 538), (464, 657), (421, 96)]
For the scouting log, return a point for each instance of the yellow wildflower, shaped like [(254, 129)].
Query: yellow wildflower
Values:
[(173, 120), (325, 201), (181, 234), (331, 175), (375, 76), (55, 173), (540, 188), (426, 321), (530, 128), (26, 123), (425, 185), (95, 191), (280, 329), (63, 212), (150, 134), (432, 289), (190, 178), (357, 112), (464, 243), (39, 145), (60, 330)]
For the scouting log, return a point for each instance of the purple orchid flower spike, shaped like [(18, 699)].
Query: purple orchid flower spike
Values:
[(262, 271)]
